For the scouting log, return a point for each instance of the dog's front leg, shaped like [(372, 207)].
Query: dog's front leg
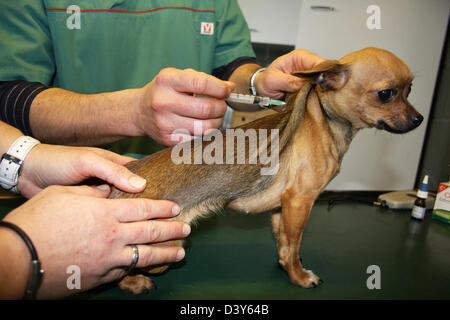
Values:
[(296, 208)]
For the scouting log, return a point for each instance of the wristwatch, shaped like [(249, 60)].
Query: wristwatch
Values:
[(12, 160), (252, 81)]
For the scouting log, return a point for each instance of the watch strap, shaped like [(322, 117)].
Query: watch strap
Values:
[(252, 81), (12, 160)]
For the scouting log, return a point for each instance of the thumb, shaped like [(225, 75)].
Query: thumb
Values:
[(115, 174), (287, 82), (275, 83)]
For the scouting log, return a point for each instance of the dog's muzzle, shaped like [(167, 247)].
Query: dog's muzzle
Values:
[(412, 122)]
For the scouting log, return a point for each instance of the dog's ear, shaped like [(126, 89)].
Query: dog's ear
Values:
[(329, 75)]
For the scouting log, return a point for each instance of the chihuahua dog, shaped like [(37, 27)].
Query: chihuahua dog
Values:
[(365, 89)]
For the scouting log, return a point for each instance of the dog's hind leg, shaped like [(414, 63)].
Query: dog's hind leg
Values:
[(296, 207), (163, 267)]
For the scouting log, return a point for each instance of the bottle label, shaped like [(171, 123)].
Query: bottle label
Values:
[(422, 194), (418, 212)]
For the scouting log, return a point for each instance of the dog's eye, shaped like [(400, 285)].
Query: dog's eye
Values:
[(386, 95)]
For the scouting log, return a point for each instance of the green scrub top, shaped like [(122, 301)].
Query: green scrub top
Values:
[(117, 44)]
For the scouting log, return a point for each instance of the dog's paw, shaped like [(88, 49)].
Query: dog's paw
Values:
[(312, 280), (136, 284), (306, 279)]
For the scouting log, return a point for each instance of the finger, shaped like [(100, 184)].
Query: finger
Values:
[(152, 255), (301, 59), (275, 83), (179, 136), (192, 126), (154, 231), (310, 60), (104, 188), (123, 160), (115, 174), (130, 210), (297, 60), (198, 107), (289, 83), (191, 81)]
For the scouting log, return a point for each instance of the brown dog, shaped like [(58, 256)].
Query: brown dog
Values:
[(367, 88)]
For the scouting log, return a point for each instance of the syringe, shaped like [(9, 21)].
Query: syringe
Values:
[(248, 99)]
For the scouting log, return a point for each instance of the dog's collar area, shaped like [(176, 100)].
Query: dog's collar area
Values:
[(346, 127)]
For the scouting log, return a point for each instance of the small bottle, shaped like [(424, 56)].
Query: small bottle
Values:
[(420, 206)]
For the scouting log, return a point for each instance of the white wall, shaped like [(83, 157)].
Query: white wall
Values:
[(271, 21)]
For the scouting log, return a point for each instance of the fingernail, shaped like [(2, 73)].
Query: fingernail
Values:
[(176, 210), (186, 229), (137, 182), (180, 254), (103, 187)]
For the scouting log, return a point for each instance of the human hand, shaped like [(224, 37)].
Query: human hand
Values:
[(168, 104), (76, 226), (276, 80), (47, 165)]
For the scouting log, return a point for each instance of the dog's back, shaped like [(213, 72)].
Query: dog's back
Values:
[(202, 187)]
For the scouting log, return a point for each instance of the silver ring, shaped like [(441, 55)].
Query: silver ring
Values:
[(135, 258)]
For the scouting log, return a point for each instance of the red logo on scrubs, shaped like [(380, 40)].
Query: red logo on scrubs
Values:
[(207, 28)]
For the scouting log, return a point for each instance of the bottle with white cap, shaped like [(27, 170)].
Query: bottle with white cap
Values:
[(419, 208)]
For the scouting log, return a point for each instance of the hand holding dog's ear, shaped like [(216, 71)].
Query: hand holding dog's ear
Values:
[(329, 75), (277, 80)]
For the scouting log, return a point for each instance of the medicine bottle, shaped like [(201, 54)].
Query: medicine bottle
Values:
[(420, 206)]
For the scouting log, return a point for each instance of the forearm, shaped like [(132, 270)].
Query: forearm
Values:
[(60, 116), (9, 135), (241, 77)]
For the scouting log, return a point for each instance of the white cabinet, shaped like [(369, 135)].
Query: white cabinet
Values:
[(414, 30), (274, 22)]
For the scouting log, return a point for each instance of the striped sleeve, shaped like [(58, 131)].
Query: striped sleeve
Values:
[(15, 102)]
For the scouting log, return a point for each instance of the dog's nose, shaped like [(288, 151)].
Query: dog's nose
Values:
[(417, 119)]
